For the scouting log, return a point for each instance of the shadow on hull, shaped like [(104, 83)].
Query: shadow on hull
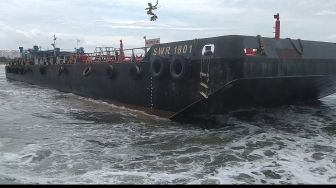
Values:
[(261, 93)]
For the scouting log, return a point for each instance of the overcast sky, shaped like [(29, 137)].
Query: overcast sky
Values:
[(105, 22)]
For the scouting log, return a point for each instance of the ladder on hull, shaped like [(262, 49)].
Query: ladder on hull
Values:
[(205, 76)]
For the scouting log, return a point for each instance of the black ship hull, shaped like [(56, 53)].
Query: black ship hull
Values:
[(263, 92), (136, 94), (232, 79)]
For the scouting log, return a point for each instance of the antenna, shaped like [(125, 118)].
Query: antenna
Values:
[(145, 38), (78, 41), (54, 45)]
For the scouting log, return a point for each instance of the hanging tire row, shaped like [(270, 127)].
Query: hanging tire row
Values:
[(160, 68), (16, 70), (178, 68), (135, 71)]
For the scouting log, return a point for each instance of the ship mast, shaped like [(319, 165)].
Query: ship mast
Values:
[(277, 26), (78, 41), (54, 45)]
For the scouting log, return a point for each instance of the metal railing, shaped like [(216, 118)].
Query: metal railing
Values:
[(100, 55)]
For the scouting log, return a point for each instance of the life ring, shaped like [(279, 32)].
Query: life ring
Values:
[(111, 71), (43, 70), (60, 71), (111, 61), (158, 68), (86, 59), (138, 59), (179, 68), (135, 72), (72, 59), (88, 71)]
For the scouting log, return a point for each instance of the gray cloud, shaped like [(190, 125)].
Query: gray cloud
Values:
[(105, 22)]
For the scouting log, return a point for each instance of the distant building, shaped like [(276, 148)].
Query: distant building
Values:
[(10, 54)]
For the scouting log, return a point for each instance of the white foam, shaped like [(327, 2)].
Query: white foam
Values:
[(297, 168), (4, 141)]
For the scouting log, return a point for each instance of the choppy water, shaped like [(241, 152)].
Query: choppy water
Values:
[(49, 137)]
